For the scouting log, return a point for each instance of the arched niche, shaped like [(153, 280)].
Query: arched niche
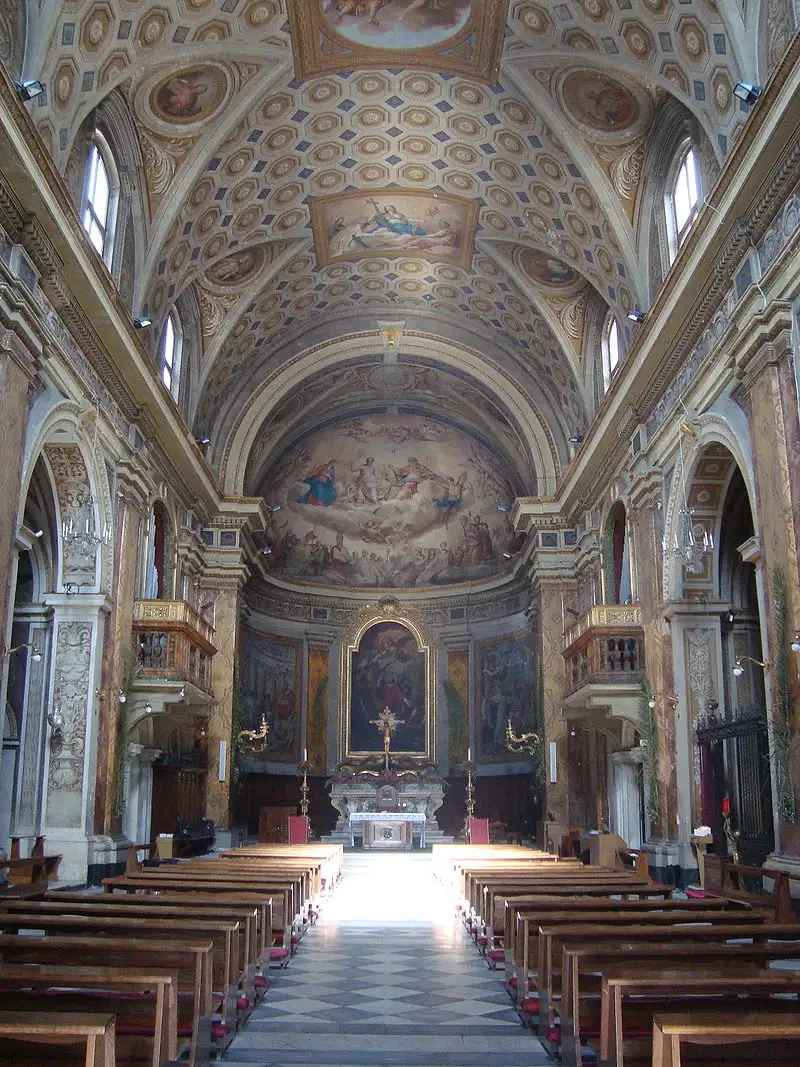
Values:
[(387, 661)]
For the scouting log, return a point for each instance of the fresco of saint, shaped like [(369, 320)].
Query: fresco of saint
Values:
[(398, 23)]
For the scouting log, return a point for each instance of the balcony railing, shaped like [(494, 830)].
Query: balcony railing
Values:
[(173, 642), (606, 647)]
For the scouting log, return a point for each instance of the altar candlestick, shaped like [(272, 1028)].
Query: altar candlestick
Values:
[(305, 755), (469, 755)]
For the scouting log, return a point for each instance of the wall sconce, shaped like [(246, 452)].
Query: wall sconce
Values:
[(36, 655), (55, 720), (738, 668), (795, 646), (747, 92), (122, 696), (141, 322), (29, 90), (670, 698)]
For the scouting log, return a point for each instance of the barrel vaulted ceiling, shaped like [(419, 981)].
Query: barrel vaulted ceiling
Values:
[(239, 139)]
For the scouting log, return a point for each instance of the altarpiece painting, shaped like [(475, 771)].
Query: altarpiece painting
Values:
[(387, 666)]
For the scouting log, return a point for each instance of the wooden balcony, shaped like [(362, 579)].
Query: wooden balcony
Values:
[(605, 648), (174, 643)]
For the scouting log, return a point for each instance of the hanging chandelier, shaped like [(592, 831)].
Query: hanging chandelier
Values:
[(691, 540)]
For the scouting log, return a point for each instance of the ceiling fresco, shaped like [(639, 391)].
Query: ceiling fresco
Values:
[(475, 169), (391, 501)]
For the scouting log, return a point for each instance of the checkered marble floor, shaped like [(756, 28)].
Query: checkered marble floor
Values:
[(387, 977)]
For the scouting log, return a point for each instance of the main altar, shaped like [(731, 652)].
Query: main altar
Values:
[(385, 788)]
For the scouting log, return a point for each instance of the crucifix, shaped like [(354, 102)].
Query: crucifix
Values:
[(387, 722)]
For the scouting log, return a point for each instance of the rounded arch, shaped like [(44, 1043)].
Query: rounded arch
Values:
[(66, 437), (536, 434), (158, 558), (711, 439), (617, 587)]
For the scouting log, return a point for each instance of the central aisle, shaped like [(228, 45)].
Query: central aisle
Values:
[(387, 977)]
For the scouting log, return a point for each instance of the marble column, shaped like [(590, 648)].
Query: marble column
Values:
[(223, 590), (549, 593), (17, 377), (130, 510), (79, 623), (139, 792), (764, 364), (646, 518), (30, 776)]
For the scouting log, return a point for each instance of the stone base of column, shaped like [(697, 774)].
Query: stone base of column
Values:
[(672, 862), (86, 859), (780, 861)]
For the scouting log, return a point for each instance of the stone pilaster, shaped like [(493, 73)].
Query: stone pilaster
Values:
[(769, 386), (646, 521), (131, 505), (79, 622)]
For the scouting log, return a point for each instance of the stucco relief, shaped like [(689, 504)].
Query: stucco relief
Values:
[(78, 563), (70, 694), (702, 691)]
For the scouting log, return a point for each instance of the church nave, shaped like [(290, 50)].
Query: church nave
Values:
[(387, 977)]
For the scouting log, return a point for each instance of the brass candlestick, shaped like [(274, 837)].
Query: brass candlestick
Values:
[(252, 741), (527, 742), (304, 767), (469, 767)]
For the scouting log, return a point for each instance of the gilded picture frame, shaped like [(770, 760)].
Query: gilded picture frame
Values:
[(379, 620), (332, 36)]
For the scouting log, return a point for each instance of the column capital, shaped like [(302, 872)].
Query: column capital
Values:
[(768, 342)]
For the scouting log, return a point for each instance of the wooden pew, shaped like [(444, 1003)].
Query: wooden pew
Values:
[(633, 993), (583, 965), (38, 1037), (727, 879), (251, 950), (526, 914), (163, 881), (31, 870), (254, 915), (223, 934), (144, 1003), (192, 962), (652, 925), (736, 1038)]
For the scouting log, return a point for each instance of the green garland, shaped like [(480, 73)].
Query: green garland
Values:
[(782, 732), (648, 732)]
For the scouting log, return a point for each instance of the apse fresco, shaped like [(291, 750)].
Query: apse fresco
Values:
[(505, 688), (388, 671), (388, 501), (398, 24), (270, 685)]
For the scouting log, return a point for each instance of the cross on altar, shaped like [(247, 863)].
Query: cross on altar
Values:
[(387, 722)]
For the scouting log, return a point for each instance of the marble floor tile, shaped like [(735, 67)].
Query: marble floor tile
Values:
[(402, 986)]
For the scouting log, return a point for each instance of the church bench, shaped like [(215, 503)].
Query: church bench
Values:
[(632, 994), (165, 881), (31, 870), (735, 1037), (235, 905), (224, 936), (536, 880), (74, 1037), (192, 962), (446, 858), (303, 877), (94, 906), (523, 914), (330, 857), (725, 878), (143, 1001), (239, 859), (490, 893), (583, 965), (545, 944)]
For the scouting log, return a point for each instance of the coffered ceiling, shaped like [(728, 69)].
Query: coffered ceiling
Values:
[(239, 134)]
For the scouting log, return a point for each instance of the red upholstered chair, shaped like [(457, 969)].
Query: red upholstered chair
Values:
[(479, 831), (298, 829)]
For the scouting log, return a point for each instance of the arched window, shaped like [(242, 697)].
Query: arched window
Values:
[(683, 198), (169, 354), (612, 349), (156, 562), (617, 557), (100, 198)]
